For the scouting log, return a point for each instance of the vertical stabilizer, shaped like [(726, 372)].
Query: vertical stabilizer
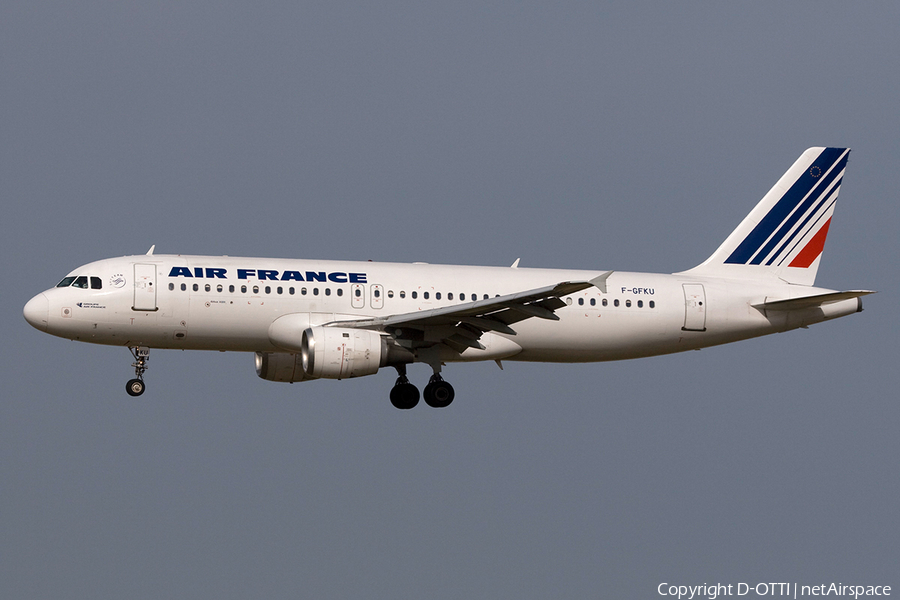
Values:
[(783, 236)]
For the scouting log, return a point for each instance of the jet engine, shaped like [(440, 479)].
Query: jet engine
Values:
[(280, 366), (335, 353)]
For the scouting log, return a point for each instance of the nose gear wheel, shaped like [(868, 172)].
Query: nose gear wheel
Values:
[(135, 387)]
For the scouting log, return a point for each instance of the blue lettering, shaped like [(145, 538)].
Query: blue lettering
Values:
[(272, 275), (180, 272), (291, 276)]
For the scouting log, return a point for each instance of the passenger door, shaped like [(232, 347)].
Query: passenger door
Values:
[(694, 307), (144, 287)]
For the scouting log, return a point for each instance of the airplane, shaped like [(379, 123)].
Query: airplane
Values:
[(326, 319)]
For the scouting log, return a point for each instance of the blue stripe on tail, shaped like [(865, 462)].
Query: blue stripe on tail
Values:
[(794, 196)]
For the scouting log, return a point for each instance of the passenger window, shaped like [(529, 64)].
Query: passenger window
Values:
[(449, 295), (486, 296), (268, 289), (196, 287), (315, 291), (569, 301), (206, 287), (255, 289), (96, 284), (640, 304), (340, 291), (219, 288), (279, 289), (437, 295), (425, 295), (171, 286), (390, 293), (327, 291), (403, 294), (616, 302), (377, 293), (652, 304), (66, 282), (357, 292), (231, 289), (291, 291), (415, 295), (461, 297), (581, 302), (243, 289), (183, 287), (628, 303), (604, 302), (593, 302), (302, 291)]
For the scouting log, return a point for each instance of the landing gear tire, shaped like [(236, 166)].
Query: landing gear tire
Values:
[(438, 393), (141, 354), (404, 395), (134, 387)]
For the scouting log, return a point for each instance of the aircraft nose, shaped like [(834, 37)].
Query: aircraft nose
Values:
[(37, 312)]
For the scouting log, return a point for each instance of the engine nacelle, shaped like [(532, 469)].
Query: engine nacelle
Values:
[(335, 353), (280, 366)]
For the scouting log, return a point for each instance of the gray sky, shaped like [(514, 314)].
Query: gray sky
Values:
[(629, 137)]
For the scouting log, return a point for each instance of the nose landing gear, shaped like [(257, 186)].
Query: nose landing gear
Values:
[(135, 387)]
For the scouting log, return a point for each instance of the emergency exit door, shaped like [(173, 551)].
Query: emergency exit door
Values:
[(694, 307), (357, 295), (144, 287)]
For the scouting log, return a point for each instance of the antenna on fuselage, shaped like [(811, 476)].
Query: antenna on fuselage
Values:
[(150, 251)]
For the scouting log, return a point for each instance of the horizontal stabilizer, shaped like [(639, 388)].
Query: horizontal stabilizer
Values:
[(811, 301)]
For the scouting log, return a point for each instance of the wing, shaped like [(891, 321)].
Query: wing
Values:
[(460, 326)]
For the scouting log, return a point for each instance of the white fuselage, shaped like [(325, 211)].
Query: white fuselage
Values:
[(228, 303)]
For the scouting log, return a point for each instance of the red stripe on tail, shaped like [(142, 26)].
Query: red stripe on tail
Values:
[(813, 249)]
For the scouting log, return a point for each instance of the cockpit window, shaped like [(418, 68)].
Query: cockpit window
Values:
[(81, 282)]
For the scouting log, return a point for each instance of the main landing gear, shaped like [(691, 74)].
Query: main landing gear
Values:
[(135, 387), (438, 393), (404, 395)]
